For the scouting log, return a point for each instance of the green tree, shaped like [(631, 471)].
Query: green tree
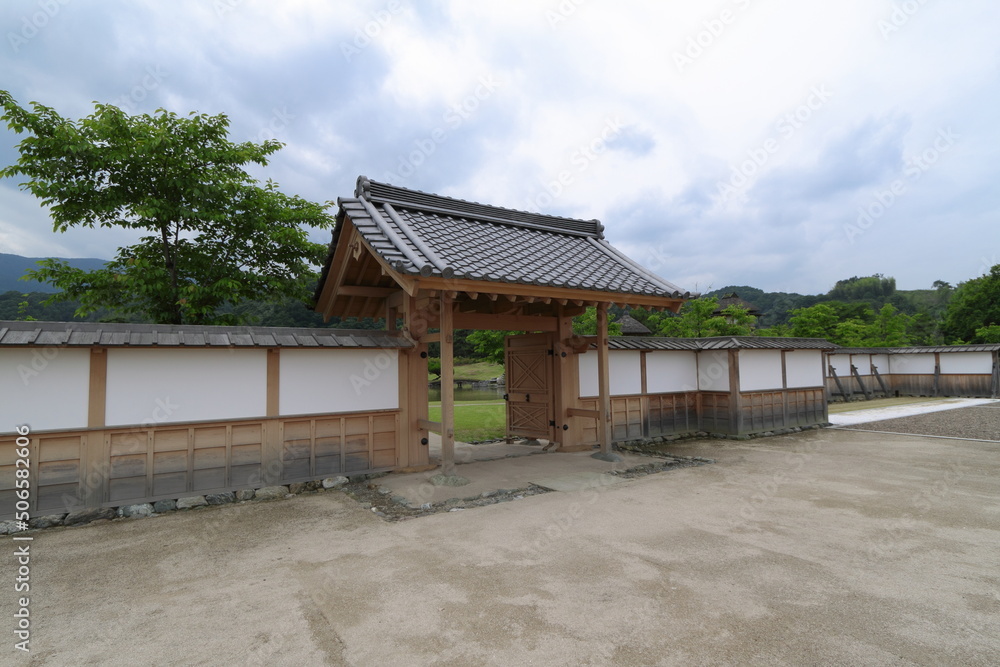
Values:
[(990, 334), (692, 321), (586, 324), (819, 321), (974, 305), (890, 328), (489, 344), (215, 235)]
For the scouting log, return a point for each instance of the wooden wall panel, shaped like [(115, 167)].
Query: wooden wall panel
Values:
[(147, 464)]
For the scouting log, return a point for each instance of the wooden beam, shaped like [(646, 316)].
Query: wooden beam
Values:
[(431, 338), (580, 412), (363, 290), (500, 322), (447, 386), (428, 425), (545, 291), (603, 382), (98, 393), (273, 381)]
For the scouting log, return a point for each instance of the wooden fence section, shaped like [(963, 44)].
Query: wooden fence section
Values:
[(124, 466), (925, 384), (651, 415)]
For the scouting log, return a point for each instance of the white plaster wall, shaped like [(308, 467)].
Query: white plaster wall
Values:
[(863, 362), (316, 381), (961, 363), (153, 386), (881, 362), (671, 371), (841, 363), (912, 364), (45, 388), (713, 370), (804, 368), (760, 370), (624, 369)]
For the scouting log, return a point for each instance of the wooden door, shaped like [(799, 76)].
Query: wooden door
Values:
[(529, 385)]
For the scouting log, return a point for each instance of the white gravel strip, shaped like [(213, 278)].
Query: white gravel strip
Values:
[(861, 416)]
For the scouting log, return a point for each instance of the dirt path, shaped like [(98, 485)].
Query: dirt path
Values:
[(826, 547)]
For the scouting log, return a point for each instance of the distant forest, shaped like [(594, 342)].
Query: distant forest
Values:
[(856, 311)]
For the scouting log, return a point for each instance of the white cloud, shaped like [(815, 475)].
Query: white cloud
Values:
[(367, 82)]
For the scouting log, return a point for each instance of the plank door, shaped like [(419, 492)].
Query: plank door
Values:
[(529, 395)]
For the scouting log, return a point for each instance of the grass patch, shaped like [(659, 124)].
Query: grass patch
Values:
[(474, 420), (478, 371)]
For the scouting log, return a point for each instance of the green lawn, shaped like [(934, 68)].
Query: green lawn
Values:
[(479, 371), (474, 420)]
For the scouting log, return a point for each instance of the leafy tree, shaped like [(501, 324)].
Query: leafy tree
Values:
[(586, 324), (890, 328), (697, 319), (990, 334), (974, 305), (819, 321), (489, 344), (215, 236)]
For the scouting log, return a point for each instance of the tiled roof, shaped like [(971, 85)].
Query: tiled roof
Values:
[(719, 343), (632, 326), (85, 334), (985, 347), (422, 234)]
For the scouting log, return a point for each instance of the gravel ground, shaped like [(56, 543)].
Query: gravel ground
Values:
[(981, 422)]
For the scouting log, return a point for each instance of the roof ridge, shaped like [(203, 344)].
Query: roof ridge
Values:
[(377, 192)]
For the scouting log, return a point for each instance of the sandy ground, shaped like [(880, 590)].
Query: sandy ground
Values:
[(826, 547)]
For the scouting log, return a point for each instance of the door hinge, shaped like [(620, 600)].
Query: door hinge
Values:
[(552, 353), (552, 422)]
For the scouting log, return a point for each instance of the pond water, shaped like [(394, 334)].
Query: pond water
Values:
[(494, 393)]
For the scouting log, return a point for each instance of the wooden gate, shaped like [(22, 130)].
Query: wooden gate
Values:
[(529, 385)]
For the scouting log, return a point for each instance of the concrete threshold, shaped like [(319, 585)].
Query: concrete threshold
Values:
[(573, 471)]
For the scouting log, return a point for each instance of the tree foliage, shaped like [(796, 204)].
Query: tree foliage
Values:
[(213, 234), (698, 319), (975, 305)]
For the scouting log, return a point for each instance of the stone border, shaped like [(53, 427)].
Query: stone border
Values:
[(106, 514)]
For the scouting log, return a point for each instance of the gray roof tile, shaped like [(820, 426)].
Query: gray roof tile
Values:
[(86, 334), (430, 235), (718, 343)]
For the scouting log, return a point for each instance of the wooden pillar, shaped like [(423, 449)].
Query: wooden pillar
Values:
[(273, 381), (604, 387), (735, 398), (447, 387), (98, 393)]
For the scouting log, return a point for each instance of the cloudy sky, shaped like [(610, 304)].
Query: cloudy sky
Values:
[(777, 143)]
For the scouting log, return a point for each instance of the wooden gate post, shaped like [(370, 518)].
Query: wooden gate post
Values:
[(604, 388), (447, 387)]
